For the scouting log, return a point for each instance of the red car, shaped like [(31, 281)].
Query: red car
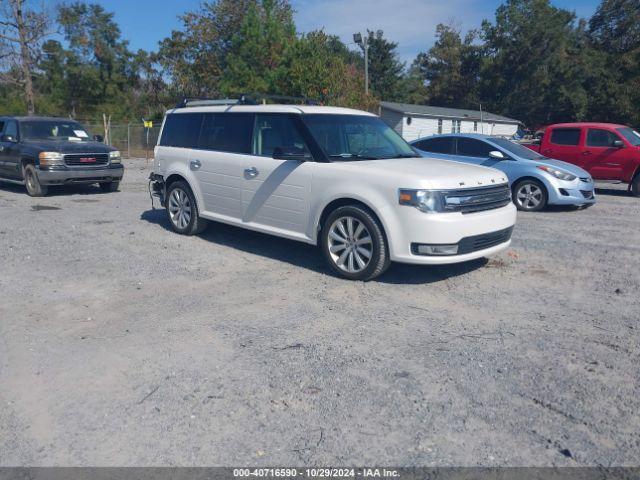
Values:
[(609, 152)]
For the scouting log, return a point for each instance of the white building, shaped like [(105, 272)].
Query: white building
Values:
[(417, 121)]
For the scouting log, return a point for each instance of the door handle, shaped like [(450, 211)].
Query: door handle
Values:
[(548, 150), (195, 164), (251, 172), (586, 153)]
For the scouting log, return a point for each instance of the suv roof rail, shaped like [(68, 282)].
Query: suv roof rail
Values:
[(246, 99)]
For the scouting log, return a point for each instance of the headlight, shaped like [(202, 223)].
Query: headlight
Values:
[(51, 158), (424, 200), (557, 173), (114, 157)]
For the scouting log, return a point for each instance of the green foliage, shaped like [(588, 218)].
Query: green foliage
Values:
[(385, 69)]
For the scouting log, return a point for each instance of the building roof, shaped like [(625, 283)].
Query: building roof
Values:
[(409, 109)]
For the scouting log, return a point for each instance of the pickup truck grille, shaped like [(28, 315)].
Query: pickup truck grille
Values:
[(471, 200), (86, 159)]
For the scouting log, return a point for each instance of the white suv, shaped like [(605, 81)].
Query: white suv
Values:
[(334, 177)]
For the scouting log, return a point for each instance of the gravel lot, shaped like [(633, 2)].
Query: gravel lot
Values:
[(122, 343)]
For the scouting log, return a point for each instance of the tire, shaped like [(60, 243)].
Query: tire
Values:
[(32, 183), (182, 210), (109, 186), (635, 186), (348, 235), (530, 195)]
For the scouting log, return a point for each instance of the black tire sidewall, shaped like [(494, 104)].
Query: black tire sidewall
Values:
[(192, 226), (537, 183), (38, 190), (378, 237), (635, 186)]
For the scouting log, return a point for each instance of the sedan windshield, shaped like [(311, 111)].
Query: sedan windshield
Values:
[(631, 135), (357, 137), (53, 130), (516, 149)]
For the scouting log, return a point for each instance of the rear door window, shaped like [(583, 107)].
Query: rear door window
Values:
[(227, 132), (600, 138), (276, 131), (436, 145), (181, 130), (470, 147), (11, 128), (565, 136)]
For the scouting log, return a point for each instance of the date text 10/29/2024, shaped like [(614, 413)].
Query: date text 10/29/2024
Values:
[(316, 472)]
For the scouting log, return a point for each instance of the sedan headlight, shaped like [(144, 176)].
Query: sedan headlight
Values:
[(426, 201), (51, 158), (115, 157), (557, 173)]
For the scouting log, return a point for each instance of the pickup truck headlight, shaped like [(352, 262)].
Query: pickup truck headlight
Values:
[(51, 158), (557, 173), (115, 157), (426, 201)]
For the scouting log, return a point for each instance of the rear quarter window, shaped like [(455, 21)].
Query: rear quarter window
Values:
[(181, 130), (565, 136)]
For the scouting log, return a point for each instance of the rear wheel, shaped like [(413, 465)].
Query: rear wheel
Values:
[(354, 243), (530, 195), (182, 210), (31, 181), (109, 186), (635, 186)]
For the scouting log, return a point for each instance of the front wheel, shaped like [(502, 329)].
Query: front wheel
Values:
[(109, 186), (530, 195), (182, 210), (31, 181), (635, 186), (354, 244)]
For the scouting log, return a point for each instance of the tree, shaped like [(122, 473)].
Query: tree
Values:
[(533, 66), (451, 68), (385, 68), (22, 31)]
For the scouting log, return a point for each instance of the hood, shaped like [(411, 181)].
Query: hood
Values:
[(567, 167), (429, 173), (68, 147)]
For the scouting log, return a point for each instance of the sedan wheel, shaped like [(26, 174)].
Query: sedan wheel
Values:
[(350, 244), (179, 208), (530, 196)]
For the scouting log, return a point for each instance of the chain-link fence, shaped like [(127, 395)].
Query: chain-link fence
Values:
[(133, 140)]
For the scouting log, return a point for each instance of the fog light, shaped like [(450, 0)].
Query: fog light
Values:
[(436, 249)]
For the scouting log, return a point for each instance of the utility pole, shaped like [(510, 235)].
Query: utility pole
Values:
[(363, 43)]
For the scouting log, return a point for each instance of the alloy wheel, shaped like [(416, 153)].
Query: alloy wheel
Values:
[(179, 208), (350, 244), (529, 196)]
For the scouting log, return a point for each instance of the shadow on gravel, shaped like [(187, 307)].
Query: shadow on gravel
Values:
[(614, 192), (308, 256), (56, 191)]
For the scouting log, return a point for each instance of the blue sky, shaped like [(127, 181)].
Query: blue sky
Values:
[(411, 23)]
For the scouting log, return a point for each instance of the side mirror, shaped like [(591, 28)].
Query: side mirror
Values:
[(497, 155), (8, 138), (618, 144), (98, 138), (291, 153)]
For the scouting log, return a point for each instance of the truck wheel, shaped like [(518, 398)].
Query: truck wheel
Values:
[(31, 181), (530, 195), (109, 186), (635, 186), (182, 210), (354, 244)]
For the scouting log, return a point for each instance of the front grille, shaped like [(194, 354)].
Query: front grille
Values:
[(484, 241), (588, 194), (86, 159), (470, 200)]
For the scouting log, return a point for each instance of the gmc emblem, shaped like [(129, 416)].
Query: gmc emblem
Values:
[(88, 160)]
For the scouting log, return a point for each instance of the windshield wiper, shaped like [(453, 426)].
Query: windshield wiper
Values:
[(406, 155), (353, 155)]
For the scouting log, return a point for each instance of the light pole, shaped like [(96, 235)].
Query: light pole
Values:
[(363, 43)]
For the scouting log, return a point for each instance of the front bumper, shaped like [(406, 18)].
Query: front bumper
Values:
[(69, 175), (415, 227), (575, 192)]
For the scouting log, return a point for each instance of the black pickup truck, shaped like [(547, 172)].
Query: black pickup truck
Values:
[(40, 151)]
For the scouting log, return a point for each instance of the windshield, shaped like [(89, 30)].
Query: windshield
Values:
[(53, 130), (357, 137), (516, 149), (631, 135)]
